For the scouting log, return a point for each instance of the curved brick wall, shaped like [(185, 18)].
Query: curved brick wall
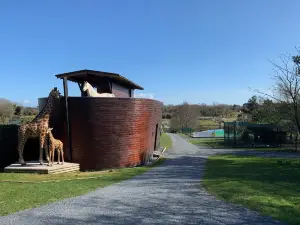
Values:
[(108, 132)]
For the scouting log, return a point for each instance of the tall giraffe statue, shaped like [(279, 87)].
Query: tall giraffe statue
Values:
[(37, 128)]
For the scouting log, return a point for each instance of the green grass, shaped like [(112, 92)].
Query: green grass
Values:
[(183, 135), (165, 141), (19, 196), (261, 184), (209, 142), (207, 123)]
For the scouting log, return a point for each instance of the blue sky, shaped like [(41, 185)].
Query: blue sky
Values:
[(202, 51)]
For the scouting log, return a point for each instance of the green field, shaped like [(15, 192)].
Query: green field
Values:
[(209, 142), (165, 141), (261, 184), (207, 123), (19, 196), (183, 135)]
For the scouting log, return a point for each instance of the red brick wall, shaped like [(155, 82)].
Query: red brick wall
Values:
[(109, 132)]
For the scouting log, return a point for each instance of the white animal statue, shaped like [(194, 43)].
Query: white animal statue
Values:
[(93, 93)]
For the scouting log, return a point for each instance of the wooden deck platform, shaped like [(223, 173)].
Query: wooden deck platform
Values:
[(35, 167)]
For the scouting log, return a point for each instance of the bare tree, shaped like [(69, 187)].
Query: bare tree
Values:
[(174, 123), (187, 115), (287, 87)]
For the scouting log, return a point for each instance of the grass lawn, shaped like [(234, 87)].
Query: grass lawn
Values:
[(165, 141), (261, 184), (207, 123), (231, 119), (209, 142), (19, 196), (183, 135)]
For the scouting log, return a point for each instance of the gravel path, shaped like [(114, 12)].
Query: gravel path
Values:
[(167, 194)]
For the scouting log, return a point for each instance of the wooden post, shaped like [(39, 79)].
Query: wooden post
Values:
[(224, 132), (109, 85), (81, 90), (67, 115), (234, 134)]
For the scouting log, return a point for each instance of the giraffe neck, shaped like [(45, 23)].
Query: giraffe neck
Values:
[(51, 136), (46, 111)]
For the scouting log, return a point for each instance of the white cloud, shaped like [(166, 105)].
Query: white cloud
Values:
[(144, 95), (26, 101)]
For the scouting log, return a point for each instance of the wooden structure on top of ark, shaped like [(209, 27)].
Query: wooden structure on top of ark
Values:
[(106, 132)]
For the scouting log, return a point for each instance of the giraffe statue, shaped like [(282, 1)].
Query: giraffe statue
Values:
[(55, 144), (37, 128)]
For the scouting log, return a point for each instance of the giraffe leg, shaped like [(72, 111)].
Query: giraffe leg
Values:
[(48, 164), (47, 151), (52, 156), (62, 154), (50, 153), (46, 148), (42, 141), (21, 144), (58, 156), (53, 152)]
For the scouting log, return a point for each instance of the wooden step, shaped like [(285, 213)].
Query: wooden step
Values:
[(35, 167), (156, 153)]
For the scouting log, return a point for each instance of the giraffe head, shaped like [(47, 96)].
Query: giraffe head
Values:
[(55, 93), (49, 130)]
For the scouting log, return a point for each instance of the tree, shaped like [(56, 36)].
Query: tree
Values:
[(19, 110), (30, 111), (184, 116), (6, 110), (286, 91), (251, 105), (187, 115), (174, 123), (270, 112), (249, 109)]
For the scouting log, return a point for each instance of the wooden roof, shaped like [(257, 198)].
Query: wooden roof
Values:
[(96, 77)]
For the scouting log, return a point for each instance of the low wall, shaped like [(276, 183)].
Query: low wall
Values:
[(8, 146), (108, 132)]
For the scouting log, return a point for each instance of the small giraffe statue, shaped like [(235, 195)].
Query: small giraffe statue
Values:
[(37, 128), (55, 144)]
